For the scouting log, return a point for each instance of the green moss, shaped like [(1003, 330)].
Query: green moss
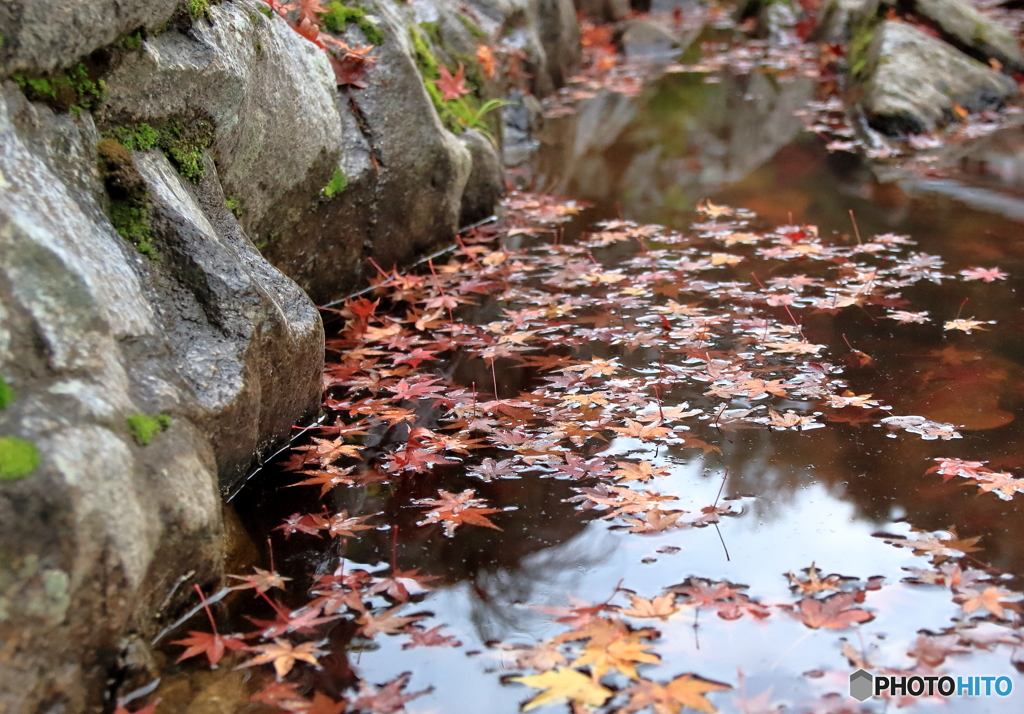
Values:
[(265, 9), (197, 8), (144, 427), (18, 458), (234, 205), (6, 394), (861, 36), (73, 90), (337, 184), (338, 17), (139, 137), (184, 144), (472, 28), (133, 41), (129, 200), (131, 221)]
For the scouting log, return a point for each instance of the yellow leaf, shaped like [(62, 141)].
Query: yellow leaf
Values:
[(564, 684)]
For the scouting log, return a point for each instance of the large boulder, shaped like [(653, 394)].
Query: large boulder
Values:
[(43, 35), (145, 384), (913, 81), (962, 24), (269, 94)]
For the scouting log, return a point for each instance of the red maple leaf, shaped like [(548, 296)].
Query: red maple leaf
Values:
[(452, 87), (212, 644)]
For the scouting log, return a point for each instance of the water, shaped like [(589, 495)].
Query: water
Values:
[(790, 499)]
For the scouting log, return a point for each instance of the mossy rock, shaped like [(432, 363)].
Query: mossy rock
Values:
[(144, 427), (18, 458), (78, 88)]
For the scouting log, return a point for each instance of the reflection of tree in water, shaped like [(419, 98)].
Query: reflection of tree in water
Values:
[(500, 594)]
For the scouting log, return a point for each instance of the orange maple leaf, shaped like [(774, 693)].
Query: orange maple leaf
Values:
[(452, 87)]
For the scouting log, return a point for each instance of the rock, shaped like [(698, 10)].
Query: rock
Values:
[(913, 81), (604, 9), (776, 20), (963, 25), (98, 341), (642, 37), (404, 176), (40, 36), (269, 93), (560, 36), (837, 17), (523, 120), (486, 184)]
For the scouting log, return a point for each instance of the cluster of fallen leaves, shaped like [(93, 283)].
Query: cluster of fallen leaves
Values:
[(1001, 483), (683, 338), (306, 18)]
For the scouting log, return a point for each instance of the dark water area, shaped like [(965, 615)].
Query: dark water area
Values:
[(793, 498)]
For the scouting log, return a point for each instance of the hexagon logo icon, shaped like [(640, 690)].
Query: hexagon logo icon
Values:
[(861, 684)]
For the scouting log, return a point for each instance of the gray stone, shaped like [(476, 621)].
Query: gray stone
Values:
[(913, 80), (836, 19), (40, 35), (486, 184), (269, 92), (643, 37), (406, 174), (560, 36), (92, 332), (965, 26)]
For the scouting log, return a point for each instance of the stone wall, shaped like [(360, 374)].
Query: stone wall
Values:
[(177, 178)]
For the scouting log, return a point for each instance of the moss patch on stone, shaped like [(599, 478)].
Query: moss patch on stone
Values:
[(234, 205), (129, 199), (18, 458), (468, 111), (182, 141), (337, 184), (339, 16), (197, 8), (6, 394), (76, 89), (144, 427)]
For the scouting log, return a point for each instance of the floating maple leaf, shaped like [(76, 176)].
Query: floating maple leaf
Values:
[(212, 644), (686, 690), (453, 510), (564, 684), (833, 613), (284, 655), (452, 87), (387, 698)]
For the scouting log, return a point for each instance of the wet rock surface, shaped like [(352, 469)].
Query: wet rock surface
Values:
[(154, 352), (914, 81), (205, 336)]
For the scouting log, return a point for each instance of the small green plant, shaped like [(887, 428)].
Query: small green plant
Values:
[(144, 427), (472, 27), (18, 458), (131, 221), (234, 205), (337, 184), (74, 90), (197, 8), (265, 9), (132, 42), (6, 394), (184, 146), (140, 137), (338, 17)]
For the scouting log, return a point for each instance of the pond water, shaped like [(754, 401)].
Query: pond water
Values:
[(781, 500)]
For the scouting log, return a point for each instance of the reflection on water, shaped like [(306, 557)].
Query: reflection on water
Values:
[(794, 498)]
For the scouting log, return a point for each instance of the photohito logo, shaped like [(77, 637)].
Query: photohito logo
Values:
[(864, 685)]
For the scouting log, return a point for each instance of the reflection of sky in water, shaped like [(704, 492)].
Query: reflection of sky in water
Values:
[(814, 527)]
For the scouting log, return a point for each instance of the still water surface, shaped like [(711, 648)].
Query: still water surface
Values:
[(797, 498)]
